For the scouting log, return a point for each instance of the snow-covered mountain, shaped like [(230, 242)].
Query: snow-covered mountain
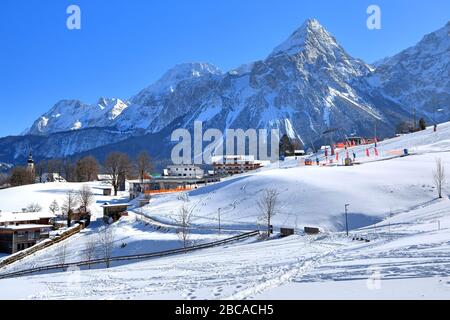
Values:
[(419, 77), (308, 84), (69, 115)]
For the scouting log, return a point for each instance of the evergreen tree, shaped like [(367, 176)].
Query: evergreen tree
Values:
[(286, 146), (422, 124)]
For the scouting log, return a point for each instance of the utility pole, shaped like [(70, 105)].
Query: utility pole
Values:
[(376, 133), (219, 222), (415, 119), (346, 217)]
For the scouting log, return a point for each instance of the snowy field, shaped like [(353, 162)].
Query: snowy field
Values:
[(132, 235), (393, 204)]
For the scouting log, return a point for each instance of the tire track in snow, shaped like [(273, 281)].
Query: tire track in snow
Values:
[(298, 269)]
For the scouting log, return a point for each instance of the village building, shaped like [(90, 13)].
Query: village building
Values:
[(18, 218), (184, 170), (50, 177), (231, 165), (22, 230), (115, 211), (107, 179), (167, 184)]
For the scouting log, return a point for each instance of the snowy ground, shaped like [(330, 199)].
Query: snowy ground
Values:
[(14, 199), (393, 203), (408, 258), (132, 235)]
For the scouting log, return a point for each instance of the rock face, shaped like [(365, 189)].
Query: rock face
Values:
[(306, 86), (419, 77)]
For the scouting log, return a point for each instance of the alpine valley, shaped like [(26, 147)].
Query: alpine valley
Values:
[(306, 86)]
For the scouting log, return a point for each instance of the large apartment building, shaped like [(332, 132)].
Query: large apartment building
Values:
[(231, 165)]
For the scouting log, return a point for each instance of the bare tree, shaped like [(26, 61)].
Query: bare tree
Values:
[(54, 207), (85, 197), (183, 220), (34, 207), (89, 250), (268, 204), (143, 165), (117, 166), (62, 254), (70, 202), (86, 169), (439, 176), (3, 179), (69, 170), (106, 241), (40, 170)]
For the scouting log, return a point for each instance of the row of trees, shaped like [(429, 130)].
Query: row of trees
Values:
[(118, 165), (405, 127), (3, 179)]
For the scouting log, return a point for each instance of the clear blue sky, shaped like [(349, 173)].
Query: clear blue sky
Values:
[(126, 45)]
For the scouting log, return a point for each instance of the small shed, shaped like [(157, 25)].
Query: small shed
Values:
[(286, 232), (107, 191), (115, 211), (312, 231)]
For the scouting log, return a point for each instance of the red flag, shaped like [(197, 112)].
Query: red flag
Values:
[(376, 152), (337, 156), (368, 152)]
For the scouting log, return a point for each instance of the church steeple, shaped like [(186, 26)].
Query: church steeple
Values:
[(30, 158), (30, 163)]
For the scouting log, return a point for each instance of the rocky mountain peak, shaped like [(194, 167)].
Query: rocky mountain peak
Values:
[(311, 35)]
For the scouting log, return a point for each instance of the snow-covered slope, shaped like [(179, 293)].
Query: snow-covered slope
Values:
[(407, 256), (315, 196)]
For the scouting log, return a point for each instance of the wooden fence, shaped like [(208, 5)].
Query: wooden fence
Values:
[(144, 256)]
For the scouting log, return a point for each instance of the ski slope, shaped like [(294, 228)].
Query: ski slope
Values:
[(393, 204), (315, 196)]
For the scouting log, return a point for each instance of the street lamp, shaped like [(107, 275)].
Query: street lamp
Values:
[(434, 117), (346, 217)]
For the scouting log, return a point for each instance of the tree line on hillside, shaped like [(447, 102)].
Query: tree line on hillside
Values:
[(118, 165), (406, 127)]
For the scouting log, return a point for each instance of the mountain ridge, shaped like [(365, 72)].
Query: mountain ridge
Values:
[(305, 86)]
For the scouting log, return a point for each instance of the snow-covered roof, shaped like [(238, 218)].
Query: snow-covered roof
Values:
[(24, 216), (25, 227), (108, 205), (103, 177)]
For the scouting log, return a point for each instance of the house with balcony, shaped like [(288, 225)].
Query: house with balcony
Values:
[(235, 164), (22, 230)]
